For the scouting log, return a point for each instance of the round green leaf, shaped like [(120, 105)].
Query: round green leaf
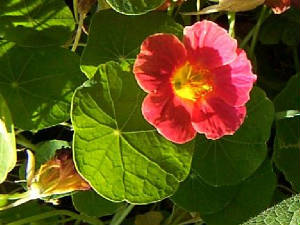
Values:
[(194, 195), (8, 153), (115, 149), (115, 37), (231, 159), (287, 139), (36, 23), (253, 196), (38, 84), (134, 7), (92, 204)]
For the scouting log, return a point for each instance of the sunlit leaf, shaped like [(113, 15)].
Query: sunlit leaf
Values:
[(8, 154), (38, 84), (115, 149), (36, 23)]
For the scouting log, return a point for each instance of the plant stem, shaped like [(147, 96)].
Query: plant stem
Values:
[(250, 34), (121, 215), (75, 9), (256, 30), (179, 218), (78, 33), (21, 140), (46, 215), (231, 20), (296, 59), (198, 6)]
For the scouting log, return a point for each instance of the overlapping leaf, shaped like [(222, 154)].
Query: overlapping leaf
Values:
[(118, 37), (231, 159), (115, 149), (36, 23), (253, 196), (38, 84), (92, 204), (287, 140)]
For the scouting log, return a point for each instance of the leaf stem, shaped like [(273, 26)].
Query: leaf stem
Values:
[(78, 33), (198, 6), (121, 215), (231, 20), (75, 10), (256, 30), (82, 217)]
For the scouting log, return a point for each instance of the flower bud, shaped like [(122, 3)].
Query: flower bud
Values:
[(59, 176)]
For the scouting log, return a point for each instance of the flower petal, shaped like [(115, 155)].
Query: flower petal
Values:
[(166, 113), (215, 118), (209, 45), (233, 82), (160, 55)]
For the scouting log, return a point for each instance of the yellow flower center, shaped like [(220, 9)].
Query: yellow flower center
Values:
[(191, 84)]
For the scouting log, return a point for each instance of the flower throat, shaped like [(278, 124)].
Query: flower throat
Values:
[(190, 84)]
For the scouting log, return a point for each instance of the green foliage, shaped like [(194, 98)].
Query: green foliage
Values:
[(285, 213), (45, 97), (36, 23), (287, 144), (40, 88), (27, 210), (91, 204), (46, 150), (115, 149), (134, 7), (110, 39), (253, 195), (282, 28), (8, 154), (231, 159)]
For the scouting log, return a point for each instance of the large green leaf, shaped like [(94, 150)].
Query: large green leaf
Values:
[(117, 37), (231, 159), (134, 7), (36, 23), (287, 140), (285, 213), (253, 196), (115, 149), (8, 153), (194, 195), (92, 204), (38, 84)]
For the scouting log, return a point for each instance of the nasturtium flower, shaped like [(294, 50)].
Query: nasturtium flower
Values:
[(200, 85)]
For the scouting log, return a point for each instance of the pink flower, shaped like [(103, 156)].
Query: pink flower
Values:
[(200, 85)]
